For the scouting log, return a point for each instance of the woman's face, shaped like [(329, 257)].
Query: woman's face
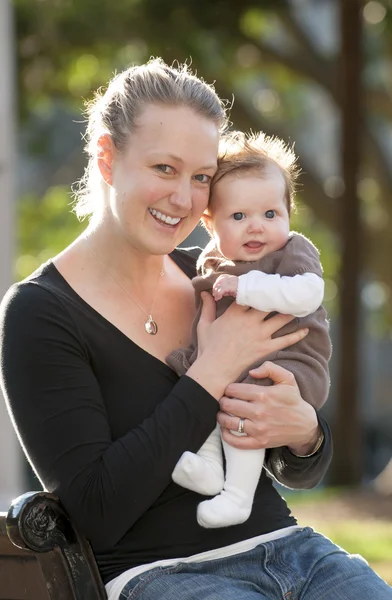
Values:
[(160, 185)]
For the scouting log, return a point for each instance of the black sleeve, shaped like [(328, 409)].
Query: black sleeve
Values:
[(300, 473), (57, 408)]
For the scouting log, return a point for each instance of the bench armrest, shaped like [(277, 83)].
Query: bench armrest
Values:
[(37, 522)]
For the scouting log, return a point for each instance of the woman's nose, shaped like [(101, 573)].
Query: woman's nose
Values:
[(181, 196)]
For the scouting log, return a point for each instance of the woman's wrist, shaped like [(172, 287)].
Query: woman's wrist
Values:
[(311, 447), (204, 373)]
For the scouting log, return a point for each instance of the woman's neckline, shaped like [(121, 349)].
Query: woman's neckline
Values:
[(50, 266)]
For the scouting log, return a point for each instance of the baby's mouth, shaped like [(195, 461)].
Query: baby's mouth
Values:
[(254, 245)]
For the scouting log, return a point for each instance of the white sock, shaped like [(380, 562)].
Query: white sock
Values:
[(234, 504), (202, 472)]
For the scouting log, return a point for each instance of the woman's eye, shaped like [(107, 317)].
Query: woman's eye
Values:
[(164, 169), (270, 214), (203, 178), (239, 216)]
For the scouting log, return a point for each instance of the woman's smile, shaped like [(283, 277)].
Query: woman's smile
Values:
[(164, 218)]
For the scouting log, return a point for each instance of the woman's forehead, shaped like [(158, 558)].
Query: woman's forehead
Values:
[(176, 130)]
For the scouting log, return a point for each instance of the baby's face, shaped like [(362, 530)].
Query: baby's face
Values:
[(249, 216)]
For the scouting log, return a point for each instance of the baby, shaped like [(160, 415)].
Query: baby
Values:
[(255, 260)]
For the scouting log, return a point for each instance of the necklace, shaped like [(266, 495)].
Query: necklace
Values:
[(150, 325)]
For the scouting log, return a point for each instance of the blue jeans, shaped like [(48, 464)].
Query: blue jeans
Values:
[(302, 566)]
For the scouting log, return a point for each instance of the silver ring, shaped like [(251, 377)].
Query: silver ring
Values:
[(241, 426)]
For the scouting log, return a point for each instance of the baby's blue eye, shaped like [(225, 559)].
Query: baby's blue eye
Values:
[(239, 216), (270, 214)]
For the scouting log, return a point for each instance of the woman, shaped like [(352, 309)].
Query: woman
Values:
[(100, 415)]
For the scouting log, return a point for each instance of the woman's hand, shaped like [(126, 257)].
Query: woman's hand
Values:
[(229, 344), (273, 415)]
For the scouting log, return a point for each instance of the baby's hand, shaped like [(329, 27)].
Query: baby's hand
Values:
[(225, 285)]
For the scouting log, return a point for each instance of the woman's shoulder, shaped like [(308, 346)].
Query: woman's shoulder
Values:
[(186, 259), (37, 294)]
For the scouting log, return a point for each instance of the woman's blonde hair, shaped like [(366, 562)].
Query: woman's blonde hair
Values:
[(240, 153), (116, 111)]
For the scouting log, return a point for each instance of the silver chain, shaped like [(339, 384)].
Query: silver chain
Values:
[(150, 325)]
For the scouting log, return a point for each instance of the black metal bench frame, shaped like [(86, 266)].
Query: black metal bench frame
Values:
[(41, 552)]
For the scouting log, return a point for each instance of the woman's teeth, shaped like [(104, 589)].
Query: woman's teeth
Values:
[(164, 218)]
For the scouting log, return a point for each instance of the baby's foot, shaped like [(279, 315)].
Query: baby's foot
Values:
[(201, 475), (223, 510)]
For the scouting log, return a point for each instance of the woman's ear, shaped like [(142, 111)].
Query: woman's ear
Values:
[(105, 157), (207, 222)]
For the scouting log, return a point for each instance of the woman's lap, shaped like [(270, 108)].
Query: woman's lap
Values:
[(302, 566)]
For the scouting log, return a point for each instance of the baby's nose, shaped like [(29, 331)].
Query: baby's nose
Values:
[(255, 225)]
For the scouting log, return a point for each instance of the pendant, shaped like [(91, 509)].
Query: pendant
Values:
[(150, 326)]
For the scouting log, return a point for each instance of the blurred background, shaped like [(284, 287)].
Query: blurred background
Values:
[(314, 72)]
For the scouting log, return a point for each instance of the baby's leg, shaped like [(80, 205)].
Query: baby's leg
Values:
[(202, 472), (234, 504)]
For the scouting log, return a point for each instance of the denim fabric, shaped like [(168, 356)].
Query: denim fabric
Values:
[(302, 566)]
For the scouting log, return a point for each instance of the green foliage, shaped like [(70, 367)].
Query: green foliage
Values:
[(45, 227)]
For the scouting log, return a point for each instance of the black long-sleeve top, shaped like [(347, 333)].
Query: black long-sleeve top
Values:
[(103, 424)]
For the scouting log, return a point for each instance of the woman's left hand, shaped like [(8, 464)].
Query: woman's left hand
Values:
[(273, 416)]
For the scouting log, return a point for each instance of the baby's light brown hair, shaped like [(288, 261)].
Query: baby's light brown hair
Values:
[(256, 153)]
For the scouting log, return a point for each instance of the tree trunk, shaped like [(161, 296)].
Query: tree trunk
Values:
[(347, 466)]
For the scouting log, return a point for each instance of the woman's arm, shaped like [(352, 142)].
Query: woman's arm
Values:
[(56, 404), (277, 418), (58, 410)]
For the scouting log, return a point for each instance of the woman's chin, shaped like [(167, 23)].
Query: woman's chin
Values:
[(168, 237), (159, 246)]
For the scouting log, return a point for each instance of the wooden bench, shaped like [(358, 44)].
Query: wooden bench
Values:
[(42, 555)]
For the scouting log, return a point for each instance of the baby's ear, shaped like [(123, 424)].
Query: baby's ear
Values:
[(206, 221)]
